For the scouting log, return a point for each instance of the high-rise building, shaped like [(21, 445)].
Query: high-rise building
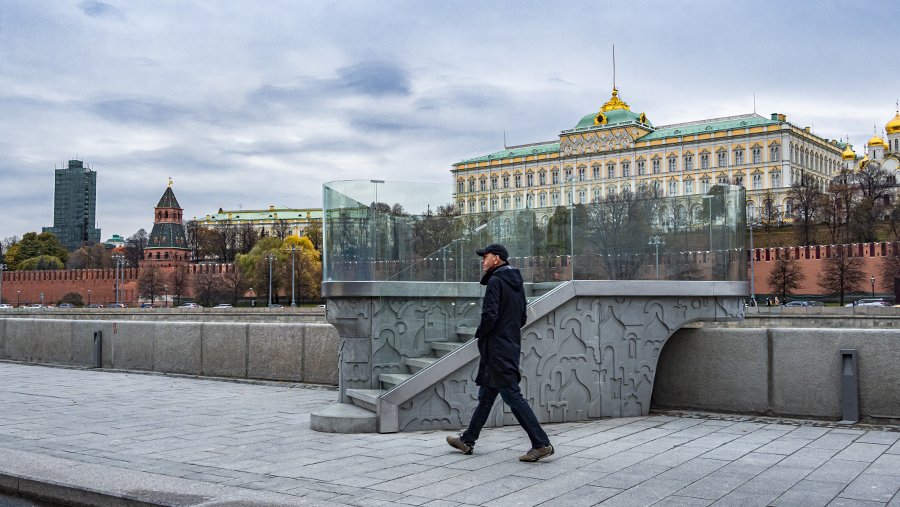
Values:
[(75, 205)]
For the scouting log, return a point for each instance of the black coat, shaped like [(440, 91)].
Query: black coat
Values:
[(500, 331)]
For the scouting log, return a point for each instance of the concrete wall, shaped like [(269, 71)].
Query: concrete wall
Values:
[(778, 371), (300, 352)]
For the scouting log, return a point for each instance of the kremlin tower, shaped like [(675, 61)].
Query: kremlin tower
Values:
[(167, 245)]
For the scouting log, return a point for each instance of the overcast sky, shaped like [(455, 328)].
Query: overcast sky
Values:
[(254, 103)]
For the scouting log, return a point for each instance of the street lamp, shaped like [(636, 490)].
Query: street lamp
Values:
[(89, 297), (18, 294), (2, 267), (270, 257), (120, 259), (657, 241), (709, 207), (872, 279), (374, 224), (752, 265), (166, 300), (293, 276)]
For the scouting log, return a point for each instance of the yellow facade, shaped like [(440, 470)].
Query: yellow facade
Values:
[(624, 152)]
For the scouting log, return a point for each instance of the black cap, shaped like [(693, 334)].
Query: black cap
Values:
[(496, 249)]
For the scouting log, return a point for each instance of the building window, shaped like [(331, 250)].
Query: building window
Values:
[(542, 178), (656, 166), (626, 169), (543, 200), (688, 162), (471, 185), (757, 155), (738, 157), (723, 159), (568, 174), (506, 203), (774, 153), (640, 167), (596, 172), (688, 187), (518, 181), (704, 186), (671, 164), (483, 184), (460, 186), (493, 204), (581, 174), (626, 190), (610, 171), (610, 192), (739, 180), (505, 181), (518, 202), (596, 195), (555, 177), (673, 188), (493, 183), (555, 198), (704, 161), (529, 179), (483, 205), (776, 180), (757, 182)]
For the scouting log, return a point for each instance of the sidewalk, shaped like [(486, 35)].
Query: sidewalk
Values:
[(98, 437)]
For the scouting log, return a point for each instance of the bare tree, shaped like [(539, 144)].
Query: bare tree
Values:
[(314, 233), (619, 229), (280, 228), (806, 198), (193, 232), (134, 247), (90, 257), (150, 281), (234, 285), (842, 273), (842, 189), (208, 288), (771, 215), (890, 268), (179, 280), (247, 237), (222, 241), (785, 276), (831, 215), (5, 245)]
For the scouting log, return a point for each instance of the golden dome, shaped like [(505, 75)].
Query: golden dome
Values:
[(893, 126), (848, 153), (875, 141), (614, 103)]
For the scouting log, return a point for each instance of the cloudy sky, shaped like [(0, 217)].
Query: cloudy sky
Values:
[(249, 104)]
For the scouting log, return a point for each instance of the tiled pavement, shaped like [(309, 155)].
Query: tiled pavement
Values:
[(180, 441)]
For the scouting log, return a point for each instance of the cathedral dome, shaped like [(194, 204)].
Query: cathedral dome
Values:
[(848, 153), (893, 126), (614, 111), (875, 141)]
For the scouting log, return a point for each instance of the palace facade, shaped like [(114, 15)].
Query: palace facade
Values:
[(615, 150)]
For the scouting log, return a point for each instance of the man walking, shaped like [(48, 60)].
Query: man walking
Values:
[(499, 336)]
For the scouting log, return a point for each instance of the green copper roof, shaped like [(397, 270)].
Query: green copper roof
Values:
[(168, 200), (613, 117), (518, 151), (707, 126), (167, 235), (264, 215)]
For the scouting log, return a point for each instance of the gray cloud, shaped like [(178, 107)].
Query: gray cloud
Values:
[(96, 9)]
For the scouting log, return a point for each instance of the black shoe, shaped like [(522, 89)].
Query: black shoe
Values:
[(457, 443), (535, 454)]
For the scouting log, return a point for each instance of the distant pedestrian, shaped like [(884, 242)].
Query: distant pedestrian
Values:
[(499, 336), (768, 301), (777, 303)]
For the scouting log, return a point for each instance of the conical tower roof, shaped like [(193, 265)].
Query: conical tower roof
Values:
[(168, 199)]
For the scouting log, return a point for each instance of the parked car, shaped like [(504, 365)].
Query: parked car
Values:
[(869, 302), (190, 305), (223, 305), (276, 305), (4, 306), (37, 305), (118, 305), (146, 305), (94, 305), (66, 305), (799, 302)]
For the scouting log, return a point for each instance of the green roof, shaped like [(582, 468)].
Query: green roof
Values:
[(614, 117), (167, 235), (264, 215), (517, 151), (168, 200), (707, 126)]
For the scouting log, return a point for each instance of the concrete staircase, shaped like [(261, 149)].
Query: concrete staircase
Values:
[(368, 398)]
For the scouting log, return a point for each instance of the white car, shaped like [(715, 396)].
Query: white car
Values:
[(190, 305), (4, 306), (223, 305), (869, 302)]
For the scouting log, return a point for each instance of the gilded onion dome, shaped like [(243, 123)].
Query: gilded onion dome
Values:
[(848, 153), (893, 126), (875, 141), (614, 111), (614, 103)]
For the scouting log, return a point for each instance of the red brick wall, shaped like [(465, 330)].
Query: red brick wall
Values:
[(812, 260), (28, 285)]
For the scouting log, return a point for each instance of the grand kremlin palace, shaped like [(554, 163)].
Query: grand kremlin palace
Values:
[(616, 150)]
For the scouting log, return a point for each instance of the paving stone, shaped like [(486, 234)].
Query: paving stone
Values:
[(862, 452), (808, 493), (872, 487), (837, 471)]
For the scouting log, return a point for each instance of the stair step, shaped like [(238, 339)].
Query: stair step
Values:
[(344, 418), (419, 363), (389, 380), (444, 348), (365, 398), (465, 331)]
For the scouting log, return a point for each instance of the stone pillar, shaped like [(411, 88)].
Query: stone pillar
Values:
[(352, 317)]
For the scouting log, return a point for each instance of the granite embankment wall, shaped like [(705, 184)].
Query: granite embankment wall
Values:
[(300, 352), (784, 371)]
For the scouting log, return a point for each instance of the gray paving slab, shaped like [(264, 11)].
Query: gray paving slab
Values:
[(112, 435)]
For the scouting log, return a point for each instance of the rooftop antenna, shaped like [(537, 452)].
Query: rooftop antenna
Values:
[(614, 66), (504, 140), (754, 103)]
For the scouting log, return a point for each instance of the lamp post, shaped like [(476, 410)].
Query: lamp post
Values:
[(166, 300), (293, 276), (270, 257), (752, 264), (18, 295), (375, 225), (571, 179), (89, 297), (872, 279), (2, 267), (657, 241), (710, 197), (119, 259)]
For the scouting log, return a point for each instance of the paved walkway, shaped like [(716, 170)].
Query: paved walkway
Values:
[(93, 436)]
